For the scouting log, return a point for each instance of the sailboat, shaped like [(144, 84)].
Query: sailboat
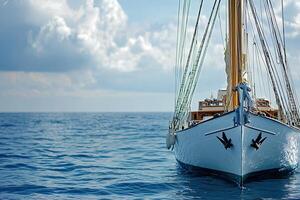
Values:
[(238, 135)]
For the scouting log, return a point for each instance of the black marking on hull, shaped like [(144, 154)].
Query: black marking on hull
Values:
[(258, 141), (225, 141)]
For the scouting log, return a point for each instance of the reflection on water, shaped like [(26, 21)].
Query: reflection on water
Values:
[(206, 187), (291, 152)]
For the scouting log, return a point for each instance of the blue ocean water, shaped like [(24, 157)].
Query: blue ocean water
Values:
[(108, 156)]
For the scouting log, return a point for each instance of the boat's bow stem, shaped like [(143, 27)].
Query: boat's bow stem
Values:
[(242, 117)]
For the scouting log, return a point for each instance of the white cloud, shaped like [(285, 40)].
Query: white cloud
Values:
[(39, 13), (93, 47), (67, 50), (33, 83), (100, 41), (94, 31), (55, 30)]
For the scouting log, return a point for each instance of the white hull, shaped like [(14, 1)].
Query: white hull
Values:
[(199, 147)]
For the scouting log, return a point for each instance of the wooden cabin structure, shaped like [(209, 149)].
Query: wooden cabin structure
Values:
[(213, 107)]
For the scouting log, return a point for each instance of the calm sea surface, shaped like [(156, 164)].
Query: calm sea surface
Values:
[(107, 156)]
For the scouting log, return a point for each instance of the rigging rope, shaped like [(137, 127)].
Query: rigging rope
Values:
[(184, 77), (177, 49), (266, 54), (280, 45), (192, 71), (283, 94), (283, 29)]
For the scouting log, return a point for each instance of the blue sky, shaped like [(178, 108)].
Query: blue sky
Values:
[(101, 55)]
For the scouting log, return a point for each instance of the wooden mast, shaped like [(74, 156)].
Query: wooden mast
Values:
[(235, 50)]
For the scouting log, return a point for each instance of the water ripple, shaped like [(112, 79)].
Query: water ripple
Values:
[(107, 156)]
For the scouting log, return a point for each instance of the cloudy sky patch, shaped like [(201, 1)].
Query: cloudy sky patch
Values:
[(102, 55)]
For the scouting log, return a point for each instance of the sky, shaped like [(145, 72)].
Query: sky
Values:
[(103, 55)]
